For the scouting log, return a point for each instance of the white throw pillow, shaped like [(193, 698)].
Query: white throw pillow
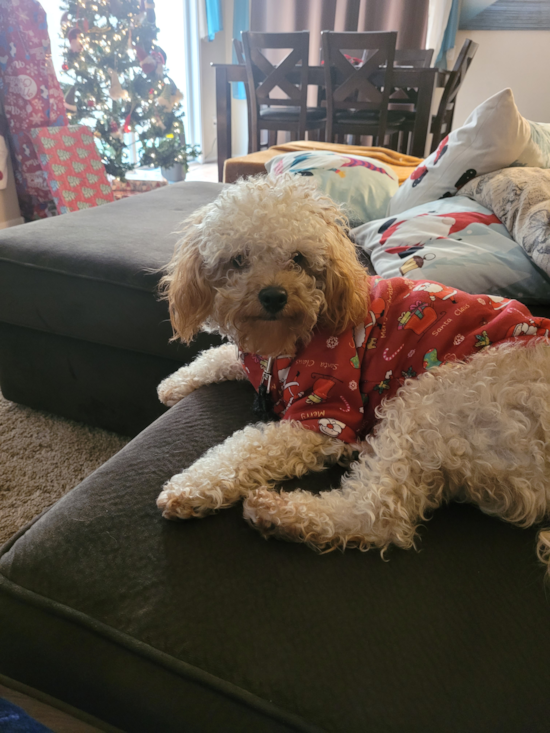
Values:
[(494, 136), (536, 153), (363, 186)]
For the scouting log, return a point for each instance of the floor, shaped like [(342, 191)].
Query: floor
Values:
[(57, 720), (202, 172), (54, 719), (196, 172)]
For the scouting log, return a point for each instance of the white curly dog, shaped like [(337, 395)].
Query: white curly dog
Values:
[(269, 266)]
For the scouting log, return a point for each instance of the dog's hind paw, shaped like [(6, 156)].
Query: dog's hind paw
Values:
[(271, 513)]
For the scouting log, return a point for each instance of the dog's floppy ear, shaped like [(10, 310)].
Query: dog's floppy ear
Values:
[(186, 286), (346, 284)]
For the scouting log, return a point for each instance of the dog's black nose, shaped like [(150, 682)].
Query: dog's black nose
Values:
[(273, 299)]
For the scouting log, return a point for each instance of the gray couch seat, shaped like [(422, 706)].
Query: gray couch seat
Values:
[(203, 626)]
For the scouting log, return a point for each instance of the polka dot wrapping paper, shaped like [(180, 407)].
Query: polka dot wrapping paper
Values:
[(74, 171)]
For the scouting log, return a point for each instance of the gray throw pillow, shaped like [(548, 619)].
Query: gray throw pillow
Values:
[(520, 197)]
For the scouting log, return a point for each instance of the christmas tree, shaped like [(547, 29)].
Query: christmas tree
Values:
[(119, 83)]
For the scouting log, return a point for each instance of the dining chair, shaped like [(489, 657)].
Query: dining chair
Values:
[(405, 100), (358, 81), (418, 58), (441, 123), (239, 52), (443, 120), (285, 109)]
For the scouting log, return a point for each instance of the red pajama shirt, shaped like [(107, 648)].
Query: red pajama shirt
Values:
[(334, 384)]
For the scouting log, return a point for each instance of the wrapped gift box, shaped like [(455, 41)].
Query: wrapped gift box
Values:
[(122, 189), (74, 172)]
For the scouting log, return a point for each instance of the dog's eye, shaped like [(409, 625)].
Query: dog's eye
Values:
[(299, 259), (238, 262)]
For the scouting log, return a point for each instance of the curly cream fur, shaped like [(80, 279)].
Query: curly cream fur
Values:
[(263, 224), (477, 431), (258, 455), (219, 364)]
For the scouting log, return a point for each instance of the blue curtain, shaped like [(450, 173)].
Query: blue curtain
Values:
[(213, 17), (449, 36), (241, 22)]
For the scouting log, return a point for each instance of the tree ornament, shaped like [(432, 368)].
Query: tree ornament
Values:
[(65, 66), (115, 130), (177, 97), (148, 7), (159, 57), (75, 43), (140, 17), (91, 102), (70, 101), (146, 61), (126, 127), (170, 96), (165, 98), (115, 90)]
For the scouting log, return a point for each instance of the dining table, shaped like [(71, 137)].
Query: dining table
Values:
[(417, 83)]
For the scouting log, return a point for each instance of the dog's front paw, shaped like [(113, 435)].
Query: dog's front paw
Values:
[(175, 387), (176, 503), (192, 494)]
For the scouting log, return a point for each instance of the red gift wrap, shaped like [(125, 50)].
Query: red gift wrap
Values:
[(73, 171), (31, 97)]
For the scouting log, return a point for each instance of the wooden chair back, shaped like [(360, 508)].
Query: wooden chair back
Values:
[(239, 53), (443, 120), (349, 78), (290, 75), (419, 58)]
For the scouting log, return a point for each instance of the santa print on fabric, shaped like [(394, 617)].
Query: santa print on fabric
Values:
[(398, 233), (31, 96), (335, 383), (4, 154)]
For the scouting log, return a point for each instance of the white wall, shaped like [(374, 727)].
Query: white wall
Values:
[(220, 51), (211, 52), (516, 59)]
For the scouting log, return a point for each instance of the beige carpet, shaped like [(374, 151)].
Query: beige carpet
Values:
[(42, 457)]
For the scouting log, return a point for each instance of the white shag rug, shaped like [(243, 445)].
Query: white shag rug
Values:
[(42, 457)]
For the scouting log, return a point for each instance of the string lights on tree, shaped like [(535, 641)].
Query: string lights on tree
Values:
[(119, 83)]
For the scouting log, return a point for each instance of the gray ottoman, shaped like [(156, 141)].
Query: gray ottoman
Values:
[(82, 332)]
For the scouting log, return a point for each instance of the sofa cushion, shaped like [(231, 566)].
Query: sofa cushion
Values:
[(204, 626), (92, 274)]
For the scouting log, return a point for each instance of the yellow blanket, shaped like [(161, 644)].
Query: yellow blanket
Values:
[(250, 165)]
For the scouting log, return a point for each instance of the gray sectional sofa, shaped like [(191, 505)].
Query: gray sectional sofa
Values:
[(155, 626)]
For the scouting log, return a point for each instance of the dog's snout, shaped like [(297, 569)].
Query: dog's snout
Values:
[(273, 299)]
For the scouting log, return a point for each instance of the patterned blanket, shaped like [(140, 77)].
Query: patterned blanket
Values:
[(520, 197)]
